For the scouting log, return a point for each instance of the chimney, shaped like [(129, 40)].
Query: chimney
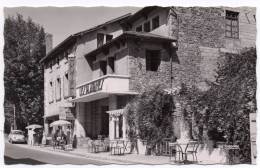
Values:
[(48, 42)]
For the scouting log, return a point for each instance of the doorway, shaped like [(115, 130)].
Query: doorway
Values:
[(104, 121)]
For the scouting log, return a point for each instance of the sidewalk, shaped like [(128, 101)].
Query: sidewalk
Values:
[(106, 156)]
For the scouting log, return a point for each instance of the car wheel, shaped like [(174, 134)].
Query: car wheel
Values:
[(11, 141)]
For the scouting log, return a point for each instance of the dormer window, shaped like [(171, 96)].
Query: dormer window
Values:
[(155, 22), (66, 55), (58, 60), (50, 65), (103, 38), (109, 37), (100, 39), (147, 26)]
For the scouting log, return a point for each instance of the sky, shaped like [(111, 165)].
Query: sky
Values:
[(64, 21)]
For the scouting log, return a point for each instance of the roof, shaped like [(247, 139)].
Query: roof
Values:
[(142, 12), (132, 34), (72, 38)]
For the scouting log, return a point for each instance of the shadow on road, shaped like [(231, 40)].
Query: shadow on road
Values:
[(10, 161)]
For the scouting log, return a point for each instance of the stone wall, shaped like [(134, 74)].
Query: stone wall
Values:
[(201, 41), (200, 35), (139, 76)]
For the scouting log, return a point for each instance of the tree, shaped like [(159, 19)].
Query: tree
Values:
[(150, 116), (225, 107), (23, 76)]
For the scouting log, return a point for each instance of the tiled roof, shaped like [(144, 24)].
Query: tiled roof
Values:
[(72, 38), (132, 34)]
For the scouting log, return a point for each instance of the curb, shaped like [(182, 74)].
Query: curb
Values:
[(98, 158)]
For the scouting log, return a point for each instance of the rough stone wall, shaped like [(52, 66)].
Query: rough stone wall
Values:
[(202, 43), (200, 34), (139, 76)]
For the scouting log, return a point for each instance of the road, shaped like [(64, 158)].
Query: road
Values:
[(15, 154)]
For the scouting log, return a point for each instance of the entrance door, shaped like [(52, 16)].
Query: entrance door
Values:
[(105, 121)]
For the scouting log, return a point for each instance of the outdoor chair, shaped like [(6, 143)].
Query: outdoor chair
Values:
[(117, 147), (177, 152), (97, 146), (54, 144), (68, 146), (106, 145), (89, 145), (192, 149)]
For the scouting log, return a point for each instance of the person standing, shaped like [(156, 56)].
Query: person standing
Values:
[(31, 136), (68, 134)]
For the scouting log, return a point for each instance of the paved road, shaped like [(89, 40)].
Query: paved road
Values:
[(15, 154)]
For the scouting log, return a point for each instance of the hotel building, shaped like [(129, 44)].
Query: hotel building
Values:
[(91, 76)]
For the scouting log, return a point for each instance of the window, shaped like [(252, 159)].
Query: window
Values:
[(66, 85), (66, 55), (100, 39), (50, 65), (147, 26), (109, 37), (103, 68), (155, 22), (58, 89), (58, 60), (153, 60), (51, 92), (139, 28), (232, 24), (111, 64)]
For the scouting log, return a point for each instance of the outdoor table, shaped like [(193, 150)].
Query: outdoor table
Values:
[(182, 150), (231, 152)]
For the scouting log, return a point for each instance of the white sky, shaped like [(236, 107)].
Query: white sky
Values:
[(64, 21)]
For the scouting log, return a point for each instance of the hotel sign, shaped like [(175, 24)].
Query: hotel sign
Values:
[(91, 87)]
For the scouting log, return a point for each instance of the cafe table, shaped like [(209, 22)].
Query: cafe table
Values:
[(181, 149)]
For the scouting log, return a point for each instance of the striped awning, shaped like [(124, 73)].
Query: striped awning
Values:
[(116, 113)]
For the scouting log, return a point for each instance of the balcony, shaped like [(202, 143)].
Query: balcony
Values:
[(103, 87)]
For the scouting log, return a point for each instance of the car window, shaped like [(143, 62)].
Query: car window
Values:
[(17, 132)]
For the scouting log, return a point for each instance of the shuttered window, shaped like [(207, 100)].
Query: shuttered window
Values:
[(58, 89), (155, 22), (232, 26), (66, 85), (147, 27)]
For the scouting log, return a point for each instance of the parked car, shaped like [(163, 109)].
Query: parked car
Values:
[(16, 136)]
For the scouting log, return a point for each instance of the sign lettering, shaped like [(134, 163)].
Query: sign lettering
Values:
[(91, 87)]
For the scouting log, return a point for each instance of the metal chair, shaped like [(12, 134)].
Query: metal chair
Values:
[(176, 151), (117, 147), (192, 149)]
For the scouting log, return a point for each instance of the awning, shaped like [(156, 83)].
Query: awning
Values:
[(116, 113)]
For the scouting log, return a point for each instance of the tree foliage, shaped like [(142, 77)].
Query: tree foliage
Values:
[(149, 116), (23, 76), (225, 107)]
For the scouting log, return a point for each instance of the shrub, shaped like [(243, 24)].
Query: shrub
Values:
[(149, 116)]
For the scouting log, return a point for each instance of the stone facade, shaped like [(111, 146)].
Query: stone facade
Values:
[(201, 43), (140, 78), (200, 33)]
